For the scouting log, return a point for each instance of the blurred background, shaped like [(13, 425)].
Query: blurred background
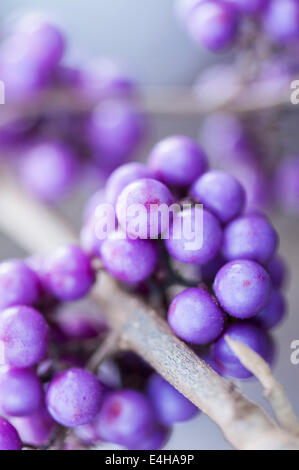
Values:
[(146, 38)]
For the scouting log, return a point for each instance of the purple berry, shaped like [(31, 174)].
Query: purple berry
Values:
[(130, 261), (170, 405), (79, 320), (36, 429), (126, 416), (21, 392), (47, 42), (232, 143), (281, 20), (24, 333), (245, 332), (156, 439), (278, 271), (274, 311), (40, 47), (115, 130), (9, 438), (177, 161), (74, 397), (213, 24), (220, 193), (68, 273), (123, 176), (192, 242), (149, 197), (250, 237), (243, 288), (48, 170), (19, 285), (253, 179), (195, 316)]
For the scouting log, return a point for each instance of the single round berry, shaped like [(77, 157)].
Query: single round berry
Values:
[(195, 236), (220, 193), (245, 332), (36, 429), (253, 179), (250, 237), (9, 438), (68, 274), (139, 207), (233, 144), (74, 397), (243, 288), (125, 416), (24, 334), (177, 161), (170, 405), (115, 130), (195, 316), (278, 272), (46, 39), (213, 24), (130, 261), (123, 176), (48, 170), (156, 439), (274, 311), (21, 392), (78, 320), (281, 20), (19, 285)]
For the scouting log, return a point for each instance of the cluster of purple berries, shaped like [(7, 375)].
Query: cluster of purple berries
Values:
[(217, 24), (48, 328), (45, 346), (237, 274), (50, 142)]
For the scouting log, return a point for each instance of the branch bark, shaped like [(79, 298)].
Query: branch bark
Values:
[(163, 101), (244, 424), (273, 390)]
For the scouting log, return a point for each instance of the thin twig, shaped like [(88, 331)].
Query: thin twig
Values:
[(161, 101), (273, 390), (108, 347)]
